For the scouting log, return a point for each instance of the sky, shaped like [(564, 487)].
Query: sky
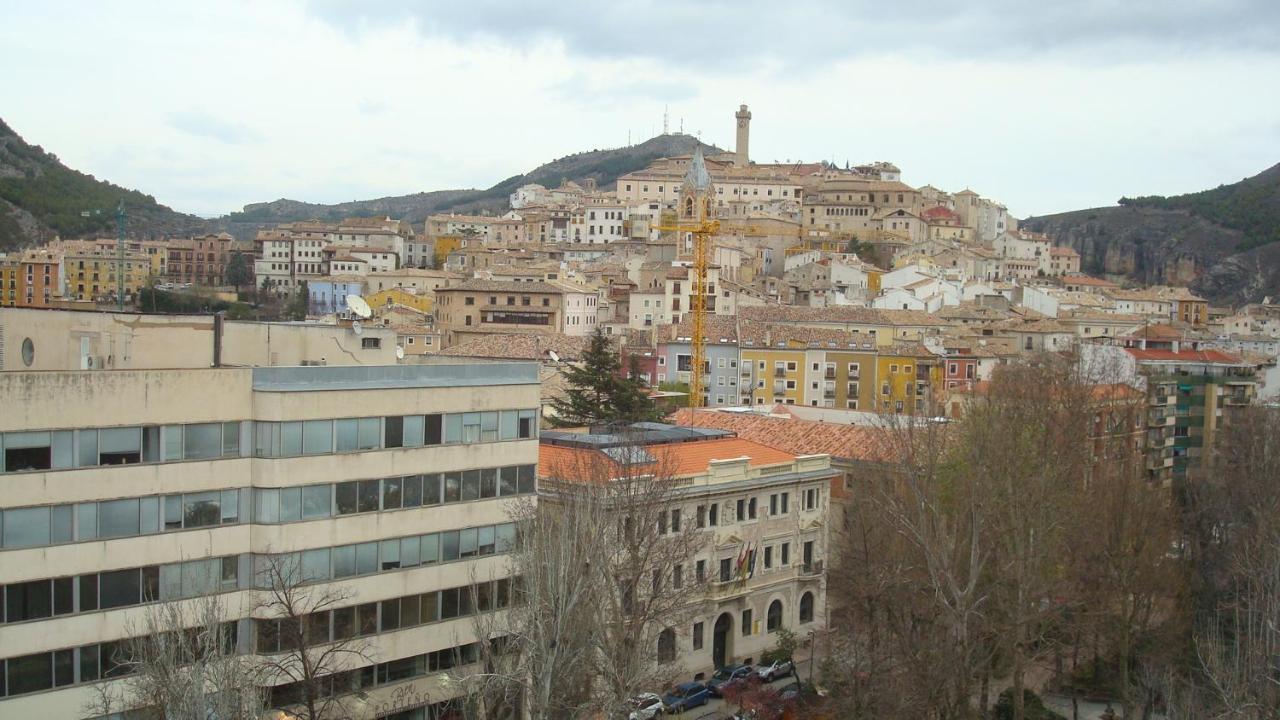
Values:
[(1046, 106)]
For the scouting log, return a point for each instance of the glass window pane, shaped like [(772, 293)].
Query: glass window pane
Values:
[(202, 441), (28, 601), (393, 431), (429, 606), (317, 437), (505, 537), (507, 484), (266, 438), (149, 512), (449, 546), (344, 561), (172, 512), (230, 507), (413, 430), (150, 444), (370, 433), (26, 527), (88, 451), (63, 452), (316, 500), (367, 499), (118, 518), (430, 549), (60, 526), (367, 619), (488, 426), (290, 439), (88, 663), (366, 558), (471, 485), (412, 491), (290, 504), (471, 427), (172, 449), (452, 486), (467, 542), (315, 565), (86, 521), (410, 611), (507, 425), (347, 431), (88, 592), (114, 440), (201, 509), (527, 473), (120, 588), (486, 540), (489, 482), (528, 425), (170, 582), (231, 439), (344, 623), (431, 489), (390, 615), (448, 603), (390, 558), (30, 673), (453, 428), (409, 548), (345, 497), (266, 505), (434, 430), (391, 496)]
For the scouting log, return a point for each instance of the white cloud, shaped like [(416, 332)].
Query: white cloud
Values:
[(211, 106)]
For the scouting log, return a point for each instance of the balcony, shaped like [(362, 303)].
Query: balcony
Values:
[(779, 372), (830, 374), (811, 569)]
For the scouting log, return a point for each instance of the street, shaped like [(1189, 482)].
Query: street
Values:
[(718, 708)]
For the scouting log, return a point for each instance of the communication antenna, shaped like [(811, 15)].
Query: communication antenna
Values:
[(358, 306), (664, 119), (356, 327), (399, 352)]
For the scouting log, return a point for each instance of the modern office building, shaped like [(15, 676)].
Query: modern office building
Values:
[(390, 485), (763, 515)]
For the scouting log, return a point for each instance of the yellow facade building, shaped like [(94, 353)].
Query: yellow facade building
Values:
[(91, 273), (421, 302)]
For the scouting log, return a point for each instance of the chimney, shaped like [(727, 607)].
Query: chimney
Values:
[(743, 116)]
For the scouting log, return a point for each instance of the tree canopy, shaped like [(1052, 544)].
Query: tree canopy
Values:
[(599, 394)]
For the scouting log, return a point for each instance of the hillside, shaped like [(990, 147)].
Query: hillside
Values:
[(1223, 243), (40, 198), (603, 166)]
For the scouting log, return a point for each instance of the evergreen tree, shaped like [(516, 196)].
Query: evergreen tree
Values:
[(597, 392), (239, 272)]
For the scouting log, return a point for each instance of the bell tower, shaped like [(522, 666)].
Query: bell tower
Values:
[(743, 116), (697, 193)]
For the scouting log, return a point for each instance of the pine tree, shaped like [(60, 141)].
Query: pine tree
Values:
[(597, 393)]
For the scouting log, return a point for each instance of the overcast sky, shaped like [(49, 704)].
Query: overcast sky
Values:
[(1046, 106)]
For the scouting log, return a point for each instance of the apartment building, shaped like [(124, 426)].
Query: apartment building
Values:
[(90, 272), (31, 279), (126, 489), (480, 307), (764, 513)]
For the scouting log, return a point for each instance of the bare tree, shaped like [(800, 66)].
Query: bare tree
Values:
[(180, 663), (299, 637)]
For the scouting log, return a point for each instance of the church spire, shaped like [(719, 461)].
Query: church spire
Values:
[(698, 176)]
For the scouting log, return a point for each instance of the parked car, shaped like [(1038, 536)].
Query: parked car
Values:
[(727, 677), (646, 706), (776, 669), (686, 696)]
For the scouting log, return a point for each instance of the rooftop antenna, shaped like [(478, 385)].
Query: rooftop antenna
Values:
[(681, 126), (664, 119)]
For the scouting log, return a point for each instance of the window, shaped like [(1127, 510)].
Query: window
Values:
[(746, 622), (811, 499), (806, 608), (697, 636), (675, 520), (751, 508), (667, 645), (773, 620), (785, 553), (700, 571), (726, 570), (768, 557), (370, 343), (742, 510), (713, 516)]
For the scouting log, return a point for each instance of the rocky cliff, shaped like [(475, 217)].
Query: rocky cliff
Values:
[(1222, 242)]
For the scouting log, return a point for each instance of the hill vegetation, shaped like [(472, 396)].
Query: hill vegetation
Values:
[(40, 198), (1251, 206)]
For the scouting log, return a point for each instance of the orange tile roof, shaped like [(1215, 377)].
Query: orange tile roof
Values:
[(802, 437), (678, 459)]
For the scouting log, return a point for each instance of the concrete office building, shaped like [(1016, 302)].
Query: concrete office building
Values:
[(125, 488)]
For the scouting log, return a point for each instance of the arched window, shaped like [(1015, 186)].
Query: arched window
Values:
[(667, 645), (774, 619), (806, 608), (688, 207)]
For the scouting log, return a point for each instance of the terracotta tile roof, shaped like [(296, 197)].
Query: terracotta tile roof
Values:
[(1187, 356), (801, 437), (520, 347), (504, 286), (679, 459)]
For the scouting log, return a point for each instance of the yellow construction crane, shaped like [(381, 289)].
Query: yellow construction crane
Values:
[(700, 230)]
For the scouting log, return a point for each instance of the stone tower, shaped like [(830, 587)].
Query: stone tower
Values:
[(744, 131), (697, 194)]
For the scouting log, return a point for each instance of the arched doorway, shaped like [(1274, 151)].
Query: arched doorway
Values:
[(722, 640), (806, 608)]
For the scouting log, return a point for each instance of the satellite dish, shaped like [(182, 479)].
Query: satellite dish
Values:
[(554, 356), (399, 353), (356, 327), (357, 305)]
